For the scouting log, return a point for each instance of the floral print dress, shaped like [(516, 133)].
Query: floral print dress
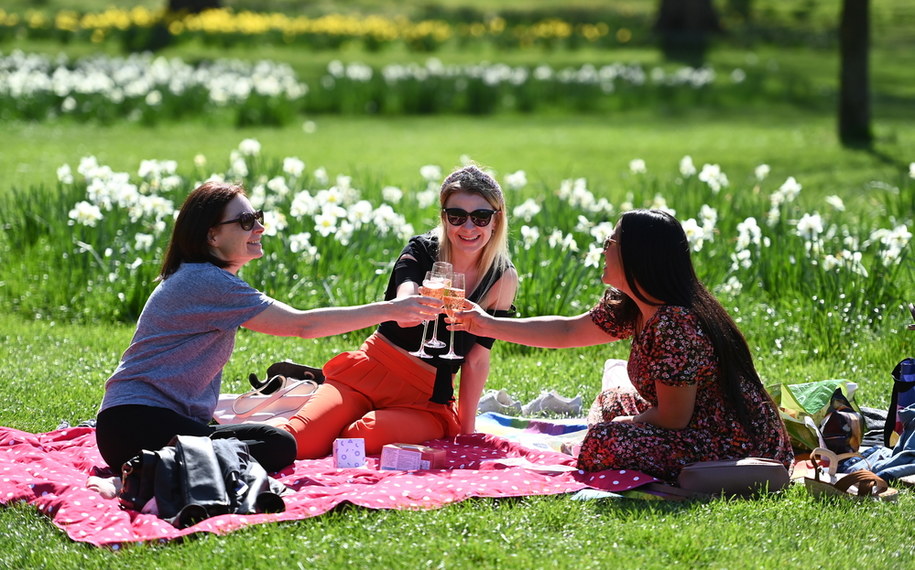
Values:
[(672, 349)]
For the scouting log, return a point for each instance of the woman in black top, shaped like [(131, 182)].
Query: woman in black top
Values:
[(383, 394)]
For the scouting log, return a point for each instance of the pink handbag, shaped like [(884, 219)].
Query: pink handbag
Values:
[(741, 477)]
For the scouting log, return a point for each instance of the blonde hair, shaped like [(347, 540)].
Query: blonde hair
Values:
[(472, 180)]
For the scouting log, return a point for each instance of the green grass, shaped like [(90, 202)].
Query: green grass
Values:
[(55, 370), (60, 369), (547, 148)]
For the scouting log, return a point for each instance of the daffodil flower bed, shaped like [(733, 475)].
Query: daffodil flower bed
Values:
[(141, 27), (150, 89), (91, 250)]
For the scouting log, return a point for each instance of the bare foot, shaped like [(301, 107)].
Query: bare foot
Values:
[(107, 487)]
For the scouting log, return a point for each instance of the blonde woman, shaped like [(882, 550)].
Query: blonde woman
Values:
[(381, 392)]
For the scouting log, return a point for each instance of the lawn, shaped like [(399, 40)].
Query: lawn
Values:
[(803, 322)]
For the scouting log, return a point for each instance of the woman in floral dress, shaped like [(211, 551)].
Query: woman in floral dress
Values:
[(695, 393)]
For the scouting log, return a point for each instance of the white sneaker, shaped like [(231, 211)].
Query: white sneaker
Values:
[(551, 402), (499, 401)]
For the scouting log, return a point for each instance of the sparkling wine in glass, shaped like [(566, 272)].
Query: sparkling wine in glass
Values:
[(454, 301), (441, 273), (425, 290)]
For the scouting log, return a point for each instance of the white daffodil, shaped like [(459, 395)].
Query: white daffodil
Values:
[(325, 223), (299, 242), (836, 203), (762, 171), (583, 224), (637, 166), (748, 232), (695, 235), (278, 186), (320, 175), (426, 198), (274, 222), (64, 174), (293, 166), (660, 203), (687, 168), (249, 147), (595, 255), (516, 180), (143, 241), (529, 236), (810, 226), (391, 194), (787, 192), (431, 173), (712, 175), (344, 232), (732, 286), (527, 210), (360, 213), (86, 214)]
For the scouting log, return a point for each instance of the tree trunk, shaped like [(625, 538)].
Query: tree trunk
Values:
[(854, 79), (685, 28), (192, 6)]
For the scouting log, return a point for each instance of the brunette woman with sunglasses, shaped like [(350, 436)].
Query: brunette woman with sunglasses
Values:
[(695, 394), (381, 392), (168, 380)]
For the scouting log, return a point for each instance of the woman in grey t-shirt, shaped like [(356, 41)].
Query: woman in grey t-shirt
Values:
[(169, 378)]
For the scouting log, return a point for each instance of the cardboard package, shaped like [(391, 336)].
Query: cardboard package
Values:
[(349, 452), (411, 457)]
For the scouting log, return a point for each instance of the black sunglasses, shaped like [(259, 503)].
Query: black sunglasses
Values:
[(246, 220), (480, 218)]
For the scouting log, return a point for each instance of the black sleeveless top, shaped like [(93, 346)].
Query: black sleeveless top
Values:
[(423, 250)]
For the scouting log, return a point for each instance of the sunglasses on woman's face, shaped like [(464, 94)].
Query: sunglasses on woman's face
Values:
[(246, 220), (480, 218)]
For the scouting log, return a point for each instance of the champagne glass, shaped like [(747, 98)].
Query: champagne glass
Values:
[(427, 286), (441, 273), (454, 301)]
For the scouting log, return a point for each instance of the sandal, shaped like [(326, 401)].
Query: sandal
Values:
[(859, 485), (291, 395)]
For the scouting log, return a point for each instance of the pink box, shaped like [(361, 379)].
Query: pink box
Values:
[(349, 452), (411, 457)]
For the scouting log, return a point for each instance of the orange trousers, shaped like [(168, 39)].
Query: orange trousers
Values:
[(376, 393)]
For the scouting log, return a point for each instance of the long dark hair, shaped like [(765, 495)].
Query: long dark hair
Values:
[(657, 263), (202, 209)]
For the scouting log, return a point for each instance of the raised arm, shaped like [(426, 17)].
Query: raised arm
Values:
[(552, 331), (280, 319)]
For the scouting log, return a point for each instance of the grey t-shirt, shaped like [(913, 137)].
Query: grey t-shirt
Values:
[(184, 338)]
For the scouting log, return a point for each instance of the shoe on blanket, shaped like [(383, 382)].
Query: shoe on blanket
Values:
[(268, 386), (499, 401), (292, 395), (551, 402), (860, 485), (291, 369)]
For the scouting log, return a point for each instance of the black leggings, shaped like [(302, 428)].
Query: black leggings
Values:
[(123, 431)]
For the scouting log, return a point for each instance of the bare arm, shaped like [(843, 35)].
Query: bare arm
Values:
[(546, 332), (474, 373), (475, 370), (280, 319)]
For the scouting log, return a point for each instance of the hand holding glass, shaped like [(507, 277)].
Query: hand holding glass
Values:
[(433, 286)]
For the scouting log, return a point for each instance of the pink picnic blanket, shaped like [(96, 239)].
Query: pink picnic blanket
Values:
[(49, 471)]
